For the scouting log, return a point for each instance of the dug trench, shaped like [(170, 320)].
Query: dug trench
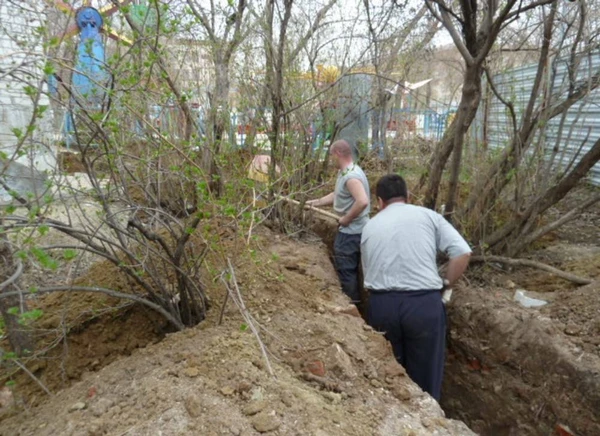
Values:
[(323, 370), (512, 370)]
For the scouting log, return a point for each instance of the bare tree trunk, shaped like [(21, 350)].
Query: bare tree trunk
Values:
[(479, 24), (19, 340), (218, 123), (471, 97), (491, 184), (275, 66), (433, 177)]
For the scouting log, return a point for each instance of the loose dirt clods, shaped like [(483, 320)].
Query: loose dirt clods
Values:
[(212, 380)]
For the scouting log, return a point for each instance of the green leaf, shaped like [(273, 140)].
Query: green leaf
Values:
[(29, 90), (30, 316), (43, 229), (10, 384), (69, 254), (243, 327), (229, 211), (9, 355), (17, 132), (44, 258), (49, 69), (13, 310)]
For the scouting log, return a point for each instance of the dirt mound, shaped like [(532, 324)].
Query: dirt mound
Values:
[(575, 310), (513, 370), (577, 314), (80, 332), (333, 374)]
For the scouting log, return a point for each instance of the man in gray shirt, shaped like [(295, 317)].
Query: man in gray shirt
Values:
[(399, 247), (351, 201)]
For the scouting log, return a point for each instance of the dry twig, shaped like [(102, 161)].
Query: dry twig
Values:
[(533, 264), (236, 295)]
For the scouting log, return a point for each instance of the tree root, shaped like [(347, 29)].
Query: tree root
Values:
[(533, 264)]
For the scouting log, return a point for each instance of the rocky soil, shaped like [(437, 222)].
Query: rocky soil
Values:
[(332, 375)]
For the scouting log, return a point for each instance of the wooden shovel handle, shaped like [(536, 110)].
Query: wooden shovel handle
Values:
[(321, 212)]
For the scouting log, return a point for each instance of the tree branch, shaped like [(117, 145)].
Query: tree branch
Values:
[(533, 264), (446, 21), (204, 20), (528, 7), (569, 216), (14, 277), (311, 31)]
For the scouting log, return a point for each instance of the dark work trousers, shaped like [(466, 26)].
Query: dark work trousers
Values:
[(415, 324), (346, 252)]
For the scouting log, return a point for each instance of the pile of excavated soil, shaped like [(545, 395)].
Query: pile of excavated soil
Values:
[(80, 332), (513, 370), (333, 375), (523, 371), (575, 310), (576, 313)]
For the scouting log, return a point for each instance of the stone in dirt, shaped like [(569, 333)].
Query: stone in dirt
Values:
[(77, 406), (316, 367), (340, 362), (101, 406), (6, 397), (254, 407), (227, 390), (266, 422), (348, 310), (193, 405), (191, 372)]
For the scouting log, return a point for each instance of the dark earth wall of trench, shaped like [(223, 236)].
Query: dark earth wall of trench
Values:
[(510, 372)]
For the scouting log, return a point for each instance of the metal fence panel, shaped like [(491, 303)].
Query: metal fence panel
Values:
[(565, 138)]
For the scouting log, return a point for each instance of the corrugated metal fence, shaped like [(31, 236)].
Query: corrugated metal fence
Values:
[(564, 138)]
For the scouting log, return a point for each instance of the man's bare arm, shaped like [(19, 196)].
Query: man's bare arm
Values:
[(456, 267), (323, 201)]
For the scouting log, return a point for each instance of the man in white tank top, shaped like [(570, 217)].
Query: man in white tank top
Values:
[(351, 200)]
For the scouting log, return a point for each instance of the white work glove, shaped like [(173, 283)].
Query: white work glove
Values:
[(446, 292)]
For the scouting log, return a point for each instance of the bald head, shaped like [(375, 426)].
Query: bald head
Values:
[(342, 148)]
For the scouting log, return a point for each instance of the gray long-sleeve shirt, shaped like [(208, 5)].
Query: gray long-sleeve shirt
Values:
[(399, 247)]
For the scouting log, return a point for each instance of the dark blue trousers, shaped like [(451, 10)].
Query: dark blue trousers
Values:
[(415, 324), (346, 251)]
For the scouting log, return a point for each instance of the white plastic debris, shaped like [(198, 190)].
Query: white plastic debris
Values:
[(526, 301), (446, 296)]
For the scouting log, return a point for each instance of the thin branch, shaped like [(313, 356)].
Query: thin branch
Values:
[(33, 377), (14, 277), (506, 103), (569, 216), (533, 264), (204, 20), (528, 7), (311, 31), (236, 296)]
